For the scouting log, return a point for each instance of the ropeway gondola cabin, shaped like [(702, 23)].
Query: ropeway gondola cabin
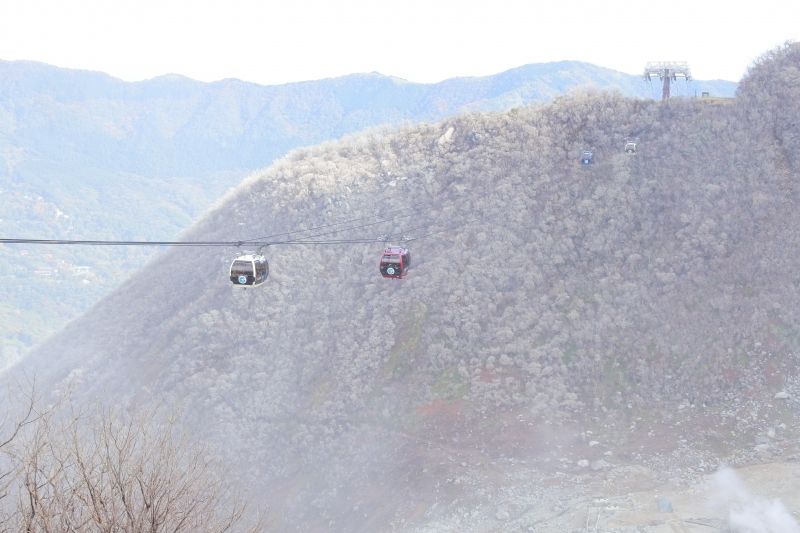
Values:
[(249, 270), (395, 262)]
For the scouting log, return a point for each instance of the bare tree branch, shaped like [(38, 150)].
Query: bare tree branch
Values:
[(113, 472)]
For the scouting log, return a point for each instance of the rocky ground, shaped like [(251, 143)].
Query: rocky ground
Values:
[(761, 497), (734, 469)]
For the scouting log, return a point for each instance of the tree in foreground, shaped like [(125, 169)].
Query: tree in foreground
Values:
[(109, 472)]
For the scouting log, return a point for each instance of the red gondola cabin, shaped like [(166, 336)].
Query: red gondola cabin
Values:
[(395, 262)]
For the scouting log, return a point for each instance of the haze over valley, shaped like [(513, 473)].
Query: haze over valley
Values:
[(572, 341), (87, 156)]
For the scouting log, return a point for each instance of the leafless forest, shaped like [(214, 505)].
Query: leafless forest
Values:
[(652, 296)]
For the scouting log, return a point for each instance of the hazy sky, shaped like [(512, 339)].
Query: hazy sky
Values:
[(273, 42)]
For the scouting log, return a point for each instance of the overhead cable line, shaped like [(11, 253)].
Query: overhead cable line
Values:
[(332, 224), (167, 243), (375, 223), (265, 241), (119, 243)]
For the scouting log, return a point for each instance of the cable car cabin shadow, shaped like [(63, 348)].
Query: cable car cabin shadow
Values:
[(395, 262), (249, 270)]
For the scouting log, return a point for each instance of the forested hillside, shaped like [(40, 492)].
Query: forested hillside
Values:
[(87, 156), (651, 296)]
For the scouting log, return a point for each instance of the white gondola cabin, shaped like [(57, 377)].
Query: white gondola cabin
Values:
[(249, 270)]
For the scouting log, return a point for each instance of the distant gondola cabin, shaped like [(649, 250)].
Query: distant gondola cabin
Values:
[(395, 262), (249, 270), (630, 147), (587, 157)]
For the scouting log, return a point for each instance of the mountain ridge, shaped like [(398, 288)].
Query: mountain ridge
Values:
[(642, 302), (86, 155)]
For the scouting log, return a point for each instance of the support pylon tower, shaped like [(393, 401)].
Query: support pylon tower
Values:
[(667, 71)]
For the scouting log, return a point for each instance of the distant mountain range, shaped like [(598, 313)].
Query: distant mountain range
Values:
[(174, 126), (648, 301), (85, 155)]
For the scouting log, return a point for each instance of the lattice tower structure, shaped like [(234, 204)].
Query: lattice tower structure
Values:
[(667, 72)]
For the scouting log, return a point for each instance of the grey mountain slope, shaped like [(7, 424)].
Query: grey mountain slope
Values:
[(552, 294), (85, 155)]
